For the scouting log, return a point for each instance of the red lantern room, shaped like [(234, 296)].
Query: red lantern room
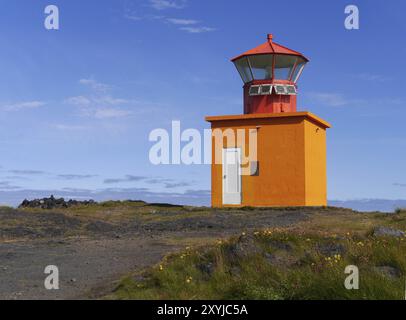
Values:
[(270, 73)]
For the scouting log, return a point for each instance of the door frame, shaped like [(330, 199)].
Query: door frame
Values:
[(239, 178)]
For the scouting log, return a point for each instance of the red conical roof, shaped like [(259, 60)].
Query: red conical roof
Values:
[(270, 47)]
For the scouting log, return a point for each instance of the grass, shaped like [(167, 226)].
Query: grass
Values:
[(303, 262), (120, 211)]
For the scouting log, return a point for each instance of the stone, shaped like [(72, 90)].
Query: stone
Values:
[(244, 247), (387, 232), (330, 249), (389, 272), (207, 268), (53, 203)]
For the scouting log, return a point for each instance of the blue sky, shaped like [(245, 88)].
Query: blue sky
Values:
[(77, 104)]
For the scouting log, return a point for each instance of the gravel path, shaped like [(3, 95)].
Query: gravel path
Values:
[(82, 264)]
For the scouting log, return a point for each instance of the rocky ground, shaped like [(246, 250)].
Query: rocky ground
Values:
[(95, 245)]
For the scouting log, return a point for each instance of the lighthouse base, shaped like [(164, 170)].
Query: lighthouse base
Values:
[(289, 167)]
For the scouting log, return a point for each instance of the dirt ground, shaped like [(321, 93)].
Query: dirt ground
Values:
[(95, 247)]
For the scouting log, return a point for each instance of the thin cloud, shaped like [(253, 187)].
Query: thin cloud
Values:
[(108, 99), (99, 104), (197, 29), (151, 17), (85, 101), (127, 178), (75, 176), (6, 185), (187, 24), (27, 172), (198, 193), (371, 77), (333, 99), (23, 105), (67, 127), (397, 184), (78, 190), (182, 22), (171, 185), (167, 4), (158, 181), (110, 113), (81, 101), (329, 99), (340, 100), (95, 85), (167, 183), (108, 107), (133, 17), (16, 178)]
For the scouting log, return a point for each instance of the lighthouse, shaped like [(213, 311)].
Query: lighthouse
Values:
[(271, 155)]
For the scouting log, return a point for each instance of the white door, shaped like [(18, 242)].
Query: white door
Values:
[(232, 176)]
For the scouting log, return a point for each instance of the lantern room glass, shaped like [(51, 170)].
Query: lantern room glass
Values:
[(284, 65), (244, 69), (270, 67), (300, 64), (261, 66)]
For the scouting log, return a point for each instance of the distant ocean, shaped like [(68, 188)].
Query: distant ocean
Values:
[(370, 204)]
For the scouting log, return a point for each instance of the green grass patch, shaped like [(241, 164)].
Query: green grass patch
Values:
[(273, 265)]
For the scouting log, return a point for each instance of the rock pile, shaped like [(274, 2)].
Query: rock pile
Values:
[(53, 203)]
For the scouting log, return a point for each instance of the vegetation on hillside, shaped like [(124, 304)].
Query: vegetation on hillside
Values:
[(302, 262), (279, 253)]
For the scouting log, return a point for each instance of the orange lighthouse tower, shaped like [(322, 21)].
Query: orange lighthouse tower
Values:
[(272, 155)]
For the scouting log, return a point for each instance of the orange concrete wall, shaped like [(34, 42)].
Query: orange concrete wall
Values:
[(292, 162), (281, 156), (315, 164)]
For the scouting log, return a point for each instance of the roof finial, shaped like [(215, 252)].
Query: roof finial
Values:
[(270, 37)]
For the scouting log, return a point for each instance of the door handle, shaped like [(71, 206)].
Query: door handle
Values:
[(224, 177)]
